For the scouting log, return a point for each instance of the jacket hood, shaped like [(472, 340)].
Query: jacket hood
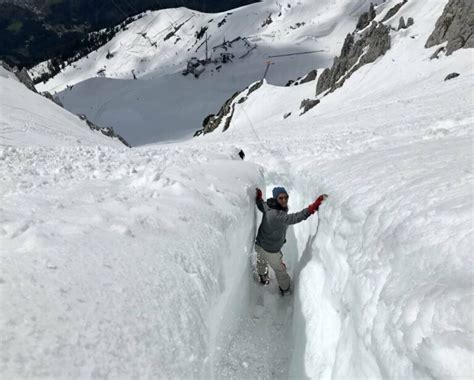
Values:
[(273, 204)]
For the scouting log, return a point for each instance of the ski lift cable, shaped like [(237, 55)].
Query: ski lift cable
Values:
[(253, 128), (299, 53), (145, 28)]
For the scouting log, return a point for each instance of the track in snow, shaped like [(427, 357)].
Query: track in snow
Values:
[(262, 345)]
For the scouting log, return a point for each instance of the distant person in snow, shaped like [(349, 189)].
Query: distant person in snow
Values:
[(272, 234)]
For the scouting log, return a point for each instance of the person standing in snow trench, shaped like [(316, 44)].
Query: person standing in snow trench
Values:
[(272, 234)]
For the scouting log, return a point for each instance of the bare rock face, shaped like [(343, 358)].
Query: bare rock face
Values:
[(226, 112), (300, 80), (438, 51), (366, 18), (107, 131), (394, 10), (456, 26), (324, 81), (25, 78), (354, 54), (55, 99), (401, 24), (267, 21), (309, 77), (307, 104), (254, 87), (22, 75), (224, 115)]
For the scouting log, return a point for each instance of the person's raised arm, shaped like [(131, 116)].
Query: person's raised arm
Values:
[(298, 217), (259, 200)]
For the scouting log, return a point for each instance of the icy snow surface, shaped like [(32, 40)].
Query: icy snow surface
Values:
[(138, 263)]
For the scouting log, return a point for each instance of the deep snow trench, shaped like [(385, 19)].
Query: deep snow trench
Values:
[(265, 338)]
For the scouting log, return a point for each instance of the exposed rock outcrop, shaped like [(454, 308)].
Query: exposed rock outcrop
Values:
[(22, 75), (456, 26), (308, 104), (451, 76), (394, 10), (373, 44), (25, 78), (107, 131), (300, 80), (438, 51), (267, 21), (401, 24), (309, 77), (226, 112), (254, 87), (56, 100), (366, 18)]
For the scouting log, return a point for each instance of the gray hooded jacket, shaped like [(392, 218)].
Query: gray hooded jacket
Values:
[(272, 231)]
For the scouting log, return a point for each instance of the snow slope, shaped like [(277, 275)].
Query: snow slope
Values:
[(145, 110), (105, 284), (137, 263), (386, 291), (27, 118)]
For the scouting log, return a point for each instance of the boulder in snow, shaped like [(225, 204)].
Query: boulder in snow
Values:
[(451, 76), (308, 104), (401, 24), (309, 77)]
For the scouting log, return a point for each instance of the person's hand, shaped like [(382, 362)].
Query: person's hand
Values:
[(313, 207), (259, 195)]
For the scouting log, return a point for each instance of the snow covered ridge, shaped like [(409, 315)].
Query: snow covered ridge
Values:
[(28, 118), (160, 46), (368, 42), (163, 42)]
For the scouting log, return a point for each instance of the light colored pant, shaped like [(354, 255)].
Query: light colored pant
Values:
[(265, 258)]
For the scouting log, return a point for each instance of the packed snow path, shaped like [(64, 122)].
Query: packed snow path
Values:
[(262, 344)]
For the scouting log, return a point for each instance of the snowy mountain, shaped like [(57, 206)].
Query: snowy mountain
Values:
[(35, 30), (28, 118), (158, 46), (139, 263)]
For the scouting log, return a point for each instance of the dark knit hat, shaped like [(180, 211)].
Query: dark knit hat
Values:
[(277, 191)]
